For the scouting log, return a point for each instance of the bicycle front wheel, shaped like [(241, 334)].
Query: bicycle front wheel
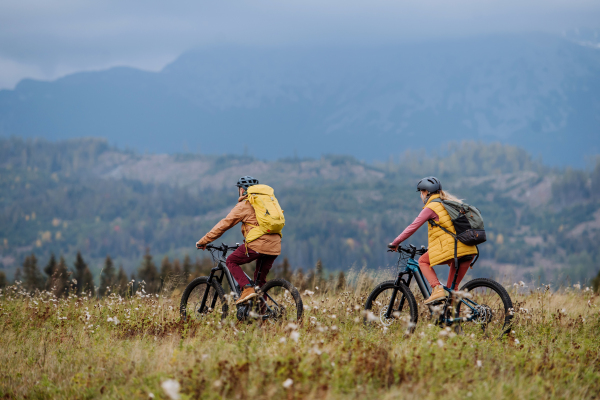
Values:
[(403, 305), (279, 301), (199, 291), (489, 307)]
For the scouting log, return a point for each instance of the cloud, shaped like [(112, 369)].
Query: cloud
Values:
[(49, 39)]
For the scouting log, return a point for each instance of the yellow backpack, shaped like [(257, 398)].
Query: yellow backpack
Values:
[(268, 212)]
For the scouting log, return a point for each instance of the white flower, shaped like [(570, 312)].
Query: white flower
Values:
[(308, 293), (287, 383), (577, 286), (291, 326), (370, 316), (115, 320), (333, 316), (440, 343), (522, 284), (217, 383), (282, 340), (479, 364), (151, 395), (295, 336), (517, 341), (171, 388)]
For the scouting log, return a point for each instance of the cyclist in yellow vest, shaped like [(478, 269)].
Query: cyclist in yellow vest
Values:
[(440, 244)]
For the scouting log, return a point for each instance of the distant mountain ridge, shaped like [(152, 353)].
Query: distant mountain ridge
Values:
[(539, 92)]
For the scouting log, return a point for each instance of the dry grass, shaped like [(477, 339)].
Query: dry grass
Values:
[(68, 348)]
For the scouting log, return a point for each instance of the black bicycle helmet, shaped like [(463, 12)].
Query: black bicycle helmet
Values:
[(246, 181), (431, 184)]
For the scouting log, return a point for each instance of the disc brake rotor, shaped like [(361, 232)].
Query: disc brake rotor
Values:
[(385, 321)]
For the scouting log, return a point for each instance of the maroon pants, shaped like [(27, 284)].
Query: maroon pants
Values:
[(264, 262)]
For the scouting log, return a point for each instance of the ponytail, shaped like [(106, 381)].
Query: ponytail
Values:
[(448, 196)]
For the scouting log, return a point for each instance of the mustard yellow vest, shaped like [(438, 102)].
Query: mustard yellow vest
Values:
[(441, 244)]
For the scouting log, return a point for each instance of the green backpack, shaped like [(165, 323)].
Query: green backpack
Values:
[(467, 221)]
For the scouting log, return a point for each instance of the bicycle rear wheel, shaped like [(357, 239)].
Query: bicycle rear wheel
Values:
[(191, 300), (490, 305), (404, 307), (278, 301)]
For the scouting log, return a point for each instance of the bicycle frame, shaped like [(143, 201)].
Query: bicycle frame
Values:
[(413, 269), (222, 266)]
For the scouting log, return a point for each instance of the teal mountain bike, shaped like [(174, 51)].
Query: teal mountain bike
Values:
[(481, 305)]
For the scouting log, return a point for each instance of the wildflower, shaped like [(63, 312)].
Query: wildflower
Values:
[(295, 336), (306, 308), (440, 343), (522, 284), (282, 340), (333, 316), (291, 326), (334, 327), (316, 288), (151, 395), (308, 293), (217, 383), (370, 316), (577, 286), (252, 314), (114, 320), (171, 388), (479, 364), (517, 341), (287, 383)]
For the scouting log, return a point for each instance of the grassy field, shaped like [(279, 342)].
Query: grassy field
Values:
[(128, 348)]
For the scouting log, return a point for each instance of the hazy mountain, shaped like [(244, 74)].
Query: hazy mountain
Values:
[(539, 92)]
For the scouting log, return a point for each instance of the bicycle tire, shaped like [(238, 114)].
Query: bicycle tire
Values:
[(270, 288), (472, 285), (413, 311), (215, 286)]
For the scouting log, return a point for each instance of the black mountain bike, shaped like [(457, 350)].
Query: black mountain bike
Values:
[(482, 301), (277, 300)]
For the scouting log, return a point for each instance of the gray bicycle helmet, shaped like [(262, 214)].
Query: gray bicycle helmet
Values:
[(431, 184), (246, 181)]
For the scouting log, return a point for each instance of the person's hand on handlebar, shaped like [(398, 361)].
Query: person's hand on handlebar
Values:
[(392, 247), (200, 246)]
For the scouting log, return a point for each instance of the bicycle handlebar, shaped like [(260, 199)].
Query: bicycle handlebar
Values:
[(411, 250)]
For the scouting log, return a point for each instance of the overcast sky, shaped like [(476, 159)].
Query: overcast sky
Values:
[(48, 39)]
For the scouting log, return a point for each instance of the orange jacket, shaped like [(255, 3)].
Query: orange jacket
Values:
[(244, 213)]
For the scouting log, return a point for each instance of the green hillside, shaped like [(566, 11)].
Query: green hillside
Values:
[(83, 195)]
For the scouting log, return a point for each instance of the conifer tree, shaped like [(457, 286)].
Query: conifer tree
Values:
[(2, 279), (80, 267), (178, 273), (286, 272), (318, 277), (18, 275), (83, 276), (121, 282), (32, 277), (49, 270), (341, 281), (187, 268), (107, 278), (148, 273), (88, 283), (60, 279)]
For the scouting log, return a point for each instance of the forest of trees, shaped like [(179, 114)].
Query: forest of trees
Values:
[(57, 278), (339, 210)]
